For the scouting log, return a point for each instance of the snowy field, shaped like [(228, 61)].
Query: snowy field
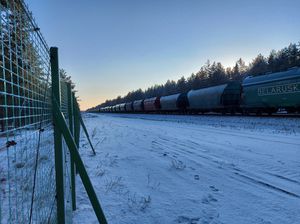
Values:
[(192, 169)]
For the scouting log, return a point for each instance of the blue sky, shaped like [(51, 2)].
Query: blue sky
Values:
[(110, 47)]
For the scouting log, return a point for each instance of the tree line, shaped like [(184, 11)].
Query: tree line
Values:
[(211, 74)]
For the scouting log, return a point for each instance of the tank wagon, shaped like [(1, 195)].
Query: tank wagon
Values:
[(138, 106), (152, 104), (173, 103), (222, 98), (268, 93)]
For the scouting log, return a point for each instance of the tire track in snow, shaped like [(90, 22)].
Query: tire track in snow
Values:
[(263, 183), (235, 154), (248, 135), (213, 160), (185, 147)]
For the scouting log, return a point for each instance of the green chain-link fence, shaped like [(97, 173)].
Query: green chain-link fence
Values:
[(37, 158), (26, 161)]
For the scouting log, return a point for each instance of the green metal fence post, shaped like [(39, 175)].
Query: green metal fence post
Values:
[(58, 152), (71, 126), (84, 128), (76, 125), (76, 122), (61, 123)]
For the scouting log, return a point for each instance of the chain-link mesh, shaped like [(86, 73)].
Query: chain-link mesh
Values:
[(28, 156), (67, 165), (27, 172)]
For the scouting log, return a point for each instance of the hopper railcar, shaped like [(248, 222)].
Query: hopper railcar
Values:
[(270, 92), (138, 106), (129, 107), (152, 104), (259, 94), (222, 98), (174, 103)]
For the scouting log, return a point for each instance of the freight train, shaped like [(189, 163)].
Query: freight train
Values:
[(255, 94)]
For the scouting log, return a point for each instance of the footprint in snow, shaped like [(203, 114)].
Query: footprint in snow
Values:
[(187, 220), (210, 216), (213, 188), (208, 199), (279, 161)]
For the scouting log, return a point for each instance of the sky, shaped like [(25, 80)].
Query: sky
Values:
[(111, 47)]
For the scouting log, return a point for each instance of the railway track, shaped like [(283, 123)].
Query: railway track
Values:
[(278, 115)]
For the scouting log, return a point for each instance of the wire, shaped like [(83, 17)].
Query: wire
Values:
[(52, 206), (37, 153)]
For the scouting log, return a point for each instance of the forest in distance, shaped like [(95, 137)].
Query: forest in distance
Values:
[(211, 74)]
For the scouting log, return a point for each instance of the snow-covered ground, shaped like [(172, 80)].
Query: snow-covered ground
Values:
[(192, 169)]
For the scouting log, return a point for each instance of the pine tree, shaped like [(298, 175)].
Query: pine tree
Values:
[(298, 55), (272, 61), (181, 85), (259, 66), (292, 55)]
